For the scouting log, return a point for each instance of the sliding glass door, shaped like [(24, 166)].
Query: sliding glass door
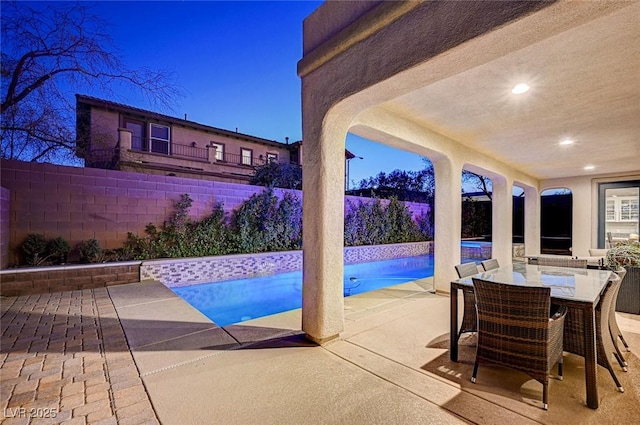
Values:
[(618, 212)]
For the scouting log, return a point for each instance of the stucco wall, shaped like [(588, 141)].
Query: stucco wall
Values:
[(104, 129), (83, 203)]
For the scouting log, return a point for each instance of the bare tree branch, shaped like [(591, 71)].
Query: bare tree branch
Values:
[(49, 53), (480, 182)]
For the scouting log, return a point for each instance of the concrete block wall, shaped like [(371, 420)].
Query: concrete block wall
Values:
[(4, 226), (39, 280), (83, 203)]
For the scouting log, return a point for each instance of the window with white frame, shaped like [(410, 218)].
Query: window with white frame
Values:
[(160, 138), (272, 157), (246, 156), (623, 209), (219, 150)]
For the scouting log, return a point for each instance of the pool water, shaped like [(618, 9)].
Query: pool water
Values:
[(474, 244), (235, 301)]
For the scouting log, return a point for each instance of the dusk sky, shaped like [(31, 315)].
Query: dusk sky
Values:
[(236, 62)]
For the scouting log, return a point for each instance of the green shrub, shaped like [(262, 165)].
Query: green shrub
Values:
[(34, 248), (90, 251), (263, 223), (274, 174), (209, 236), (371, 223), (179, 236), (58, 249), (38, 250)]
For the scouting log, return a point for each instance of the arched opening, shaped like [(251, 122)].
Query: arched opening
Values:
[(476, 214), (389, 202), (556, 221), (518, 215)]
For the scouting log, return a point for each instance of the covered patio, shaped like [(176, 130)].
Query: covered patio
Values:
[(436, 79)]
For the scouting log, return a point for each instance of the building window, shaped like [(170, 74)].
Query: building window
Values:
[(623, 209), (218, 150), (159, 138), (272, 157), (138, 142), (611, 210), (246, 156)]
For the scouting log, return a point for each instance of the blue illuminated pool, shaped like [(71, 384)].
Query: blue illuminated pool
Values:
[(235, 301)]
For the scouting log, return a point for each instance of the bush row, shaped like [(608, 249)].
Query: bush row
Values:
[(263, 223)]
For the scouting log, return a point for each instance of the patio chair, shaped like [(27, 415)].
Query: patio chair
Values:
[(469, 316), (490, 264), (516, 329), (574, 330), (613, 322), (563, 262)]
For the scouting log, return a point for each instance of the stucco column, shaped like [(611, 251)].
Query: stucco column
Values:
[(124, 135), (448, 221), (581, 217), (323, 224), (531, 221), (502, 219)]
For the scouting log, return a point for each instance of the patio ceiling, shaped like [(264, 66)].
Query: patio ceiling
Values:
[(584, 86)]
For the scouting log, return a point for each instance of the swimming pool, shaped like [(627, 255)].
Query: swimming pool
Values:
[(474, 244), (235, 301), (475, 249)]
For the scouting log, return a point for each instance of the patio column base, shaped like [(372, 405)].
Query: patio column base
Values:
[(322, 341)]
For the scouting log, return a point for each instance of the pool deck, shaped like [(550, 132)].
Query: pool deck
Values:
[(138, 354)]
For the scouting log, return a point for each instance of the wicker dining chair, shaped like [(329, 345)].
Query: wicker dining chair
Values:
[(563, 262), (469, 316), (574, 330), (516, 329), (613, 322), (490, 264)]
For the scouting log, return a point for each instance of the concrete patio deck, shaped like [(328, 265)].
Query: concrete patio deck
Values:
[(66, 355)]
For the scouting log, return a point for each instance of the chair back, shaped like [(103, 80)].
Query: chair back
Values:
[(511, 309), (490, 264), (603, 313), (466, 269), (621, 272), (563, 262), (515, 329)]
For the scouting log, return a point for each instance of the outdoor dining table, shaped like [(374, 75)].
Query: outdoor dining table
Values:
[(578, 289)]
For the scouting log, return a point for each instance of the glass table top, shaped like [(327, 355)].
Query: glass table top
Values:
[(567, 283)]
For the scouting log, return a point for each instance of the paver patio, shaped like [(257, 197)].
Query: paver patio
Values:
[(65, 359)]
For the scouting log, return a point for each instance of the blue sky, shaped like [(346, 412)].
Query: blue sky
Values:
[(236, 62)]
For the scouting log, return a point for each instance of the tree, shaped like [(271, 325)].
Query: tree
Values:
[(415, 186), (48, 52), (274, 174), (480, 182)]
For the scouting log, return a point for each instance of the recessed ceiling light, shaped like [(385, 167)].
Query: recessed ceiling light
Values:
[(520, 88), (566, 142), (589, 167)]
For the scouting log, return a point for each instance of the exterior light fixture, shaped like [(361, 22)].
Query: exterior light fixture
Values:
[(589, 167), (566, 142), (520, 88)]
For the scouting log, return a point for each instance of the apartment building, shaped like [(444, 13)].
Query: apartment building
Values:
[(112, 135)]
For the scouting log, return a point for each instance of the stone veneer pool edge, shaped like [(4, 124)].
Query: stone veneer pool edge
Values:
[(190, 271)]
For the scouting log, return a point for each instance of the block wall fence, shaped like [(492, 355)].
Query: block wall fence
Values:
[(83, 203), (4, 226)]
